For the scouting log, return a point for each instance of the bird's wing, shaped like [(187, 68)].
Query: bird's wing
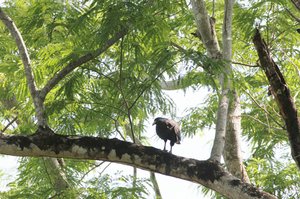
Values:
[(171, 124)]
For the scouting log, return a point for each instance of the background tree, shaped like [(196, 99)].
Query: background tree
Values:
[(97, 69)]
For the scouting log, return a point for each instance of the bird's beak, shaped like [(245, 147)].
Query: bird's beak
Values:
[(153, 123)]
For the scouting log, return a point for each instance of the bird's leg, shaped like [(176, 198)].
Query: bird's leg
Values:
[(171, 145), (165, 145)]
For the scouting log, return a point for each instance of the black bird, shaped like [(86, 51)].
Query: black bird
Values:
[(167, 129)]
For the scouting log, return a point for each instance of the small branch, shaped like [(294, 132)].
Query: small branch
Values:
[(104, 168), (243, 64), (38, 100), (292, 15), (94, 167), (22, 50), (122, 93), (263, 123), (10, 123), (80, 61), (117, 129), (267, 113)]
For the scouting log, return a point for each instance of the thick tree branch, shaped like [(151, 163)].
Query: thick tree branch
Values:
[(222, 117), (207, 173), (281, 93), (205, 26), (232, 151), (224, 98)]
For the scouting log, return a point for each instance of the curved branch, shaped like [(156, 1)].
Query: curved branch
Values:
[(80, 61), (38, 100), (22, 50), (207, 173)]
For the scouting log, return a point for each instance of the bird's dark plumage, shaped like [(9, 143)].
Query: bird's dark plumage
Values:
[(167, 129)]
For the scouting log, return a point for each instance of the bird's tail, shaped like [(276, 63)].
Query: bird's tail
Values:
[(178, 139)]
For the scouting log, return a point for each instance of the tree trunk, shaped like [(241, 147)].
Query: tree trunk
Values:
[(232, 151)]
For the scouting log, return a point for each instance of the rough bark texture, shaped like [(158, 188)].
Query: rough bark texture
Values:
[(281, 93), (207, 173)]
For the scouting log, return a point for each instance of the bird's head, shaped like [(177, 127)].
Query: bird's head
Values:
[(158, 119)]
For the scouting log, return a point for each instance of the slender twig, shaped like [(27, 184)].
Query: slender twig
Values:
[(94, 167), (117, 129), (243, 64), (105, 168), (263, 123), (10, 123), (292, 15), (232, 62), (267, 112)]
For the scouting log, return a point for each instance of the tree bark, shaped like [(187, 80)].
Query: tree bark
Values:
[(296, 3), (205, 26), (281, 93), (37, 101), (219, 141), (207, 173), (57, 175), (232, 150), (155, 185)]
